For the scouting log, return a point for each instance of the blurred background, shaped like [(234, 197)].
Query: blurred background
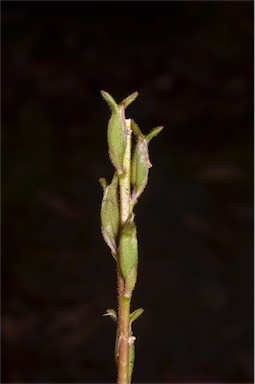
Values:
[(192, 64)]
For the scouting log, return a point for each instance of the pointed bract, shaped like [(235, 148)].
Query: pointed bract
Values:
[(154, 132), (112, 314), (103, 183), (134, 315), (128, 100), (110, 101)]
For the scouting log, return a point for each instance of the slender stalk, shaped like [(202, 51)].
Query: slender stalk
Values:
[(123, 332), (124, 302)]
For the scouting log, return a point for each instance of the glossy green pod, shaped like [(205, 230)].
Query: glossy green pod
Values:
[(140, 160), (116, 135), (128, 248), (140, 163), (110, 213)]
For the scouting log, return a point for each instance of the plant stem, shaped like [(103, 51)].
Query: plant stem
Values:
[(124, 179), (124, 302), (123, 332)]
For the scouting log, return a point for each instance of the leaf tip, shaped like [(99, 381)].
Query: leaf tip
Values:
[(128, 100), (103, 183), (110, 101), (154, 132)]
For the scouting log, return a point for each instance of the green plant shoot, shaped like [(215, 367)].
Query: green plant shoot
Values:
[(117, 220)]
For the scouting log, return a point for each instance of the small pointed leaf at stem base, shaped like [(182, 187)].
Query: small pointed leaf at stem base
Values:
[(112, 314)]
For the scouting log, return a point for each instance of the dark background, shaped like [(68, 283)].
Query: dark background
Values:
[(192, 63)]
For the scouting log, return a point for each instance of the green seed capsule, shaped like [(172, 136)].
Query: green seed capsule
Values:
[(140, 163), (140, 160), (117, 132), (110, 213), (128, 248), (116, 135), (116, 141)]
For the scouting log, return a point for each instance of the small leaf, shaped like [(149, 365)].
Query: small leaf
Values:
[(110, 214), (134, 315), (128, 248), (128, 100)]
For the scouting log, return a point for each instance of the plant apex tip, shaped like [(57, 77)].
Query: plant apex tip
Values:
[(128, 100), (154, 132), (103, 183), (110, 101)]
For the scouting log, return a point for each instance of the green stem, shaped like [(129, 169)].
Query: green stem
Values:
[(123, 337), (124, 302)]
